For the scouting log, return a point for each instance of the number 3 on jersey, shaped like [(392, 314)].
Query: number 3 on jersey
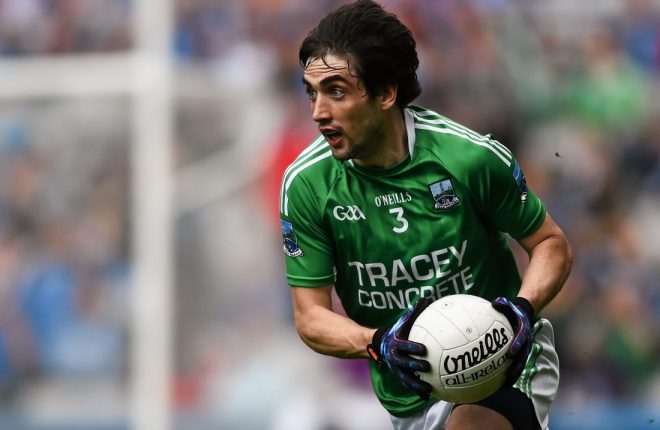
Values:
[(399, 217)]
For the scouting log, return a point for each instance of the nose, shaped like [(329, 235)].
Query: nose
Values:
[(320, 110)]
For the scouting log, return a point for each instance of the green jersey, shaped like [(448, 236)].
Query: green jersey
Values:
[(431, 226)]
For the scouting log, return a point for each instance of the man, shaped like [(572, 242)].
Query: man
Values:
[(394, 206)]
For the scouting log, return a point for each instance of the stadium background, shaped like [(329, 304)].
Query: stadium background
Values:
[(141, 143)]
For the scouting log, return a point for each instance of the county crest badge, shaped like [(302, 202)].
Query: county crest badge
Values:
[(444, 196), (290, 240)]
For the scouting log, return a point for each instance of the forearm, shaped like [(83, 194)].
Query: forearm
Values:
[(329, 333), (324, 330), (549, 266)]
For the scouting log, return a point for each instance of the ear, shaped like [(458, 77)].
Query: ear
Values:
[(388, 96)]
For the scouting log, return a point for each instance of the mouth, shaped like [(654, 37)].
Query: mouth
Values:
[(333, 137)]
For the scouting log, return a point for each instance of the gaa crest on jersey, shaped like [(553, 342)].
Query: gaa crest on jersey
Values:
[(519, 176), (290, 240), (444, 196)]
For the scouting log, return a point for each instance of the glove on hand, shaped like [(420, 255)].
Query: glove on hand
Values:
[(520, 314), (390, 346)]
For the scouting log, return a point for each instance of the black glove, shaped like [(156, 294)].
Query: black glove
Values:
[(520, 314), (391, 347)]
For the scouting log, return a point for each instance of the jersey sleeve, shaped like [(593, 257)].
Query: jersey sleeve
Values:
[(309, 255), (502, 191)]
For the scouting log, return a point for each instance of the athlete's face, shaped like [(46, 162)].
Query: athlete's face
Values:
[(349, 119)]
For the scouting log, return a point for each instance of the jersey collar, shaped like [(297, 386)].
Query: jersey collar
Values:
[(410, 130)]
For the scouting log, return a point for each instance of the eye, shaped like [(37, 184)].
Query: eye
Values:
[(336, 92), (311, 94)]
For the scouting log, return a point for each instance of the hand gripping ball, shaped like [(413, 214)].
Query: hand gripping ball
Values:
[(466, 341)]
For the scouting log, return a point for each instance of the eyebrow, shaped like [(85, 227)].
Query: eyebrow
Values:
[(327, 80)]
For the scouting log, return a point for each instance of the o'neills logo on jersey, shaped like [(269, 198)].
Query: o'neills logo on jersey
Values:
[(392, 199), (348, 213), (492, 342)]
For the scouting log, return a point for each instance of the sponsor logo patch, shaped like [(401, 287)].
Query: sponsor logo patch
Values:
[(444, 196), (519, 176), (290, 240)]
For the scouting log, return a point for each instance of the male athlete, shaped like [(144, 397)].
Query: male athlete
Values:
[(395, 206)]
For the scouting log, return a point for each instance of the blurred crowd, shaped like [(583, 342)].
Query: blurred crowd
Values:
[(51, 27), (572, 87), (63, 243)]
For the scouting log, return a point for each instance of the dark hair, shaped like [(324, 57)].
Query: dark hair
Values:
[(376, 45)]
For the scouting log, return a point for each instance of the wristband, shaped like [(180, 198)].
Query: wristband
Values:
[(524, 305)]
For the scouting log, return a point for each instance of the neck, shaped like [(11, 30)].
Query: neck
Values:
[(393, 143)]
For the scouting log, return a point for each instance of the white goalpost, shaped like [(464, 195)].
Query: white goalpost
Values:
[(152, 320)]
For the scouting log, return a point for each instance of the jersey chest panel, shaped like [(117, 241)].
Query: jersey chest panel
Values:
[(399, 237)]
